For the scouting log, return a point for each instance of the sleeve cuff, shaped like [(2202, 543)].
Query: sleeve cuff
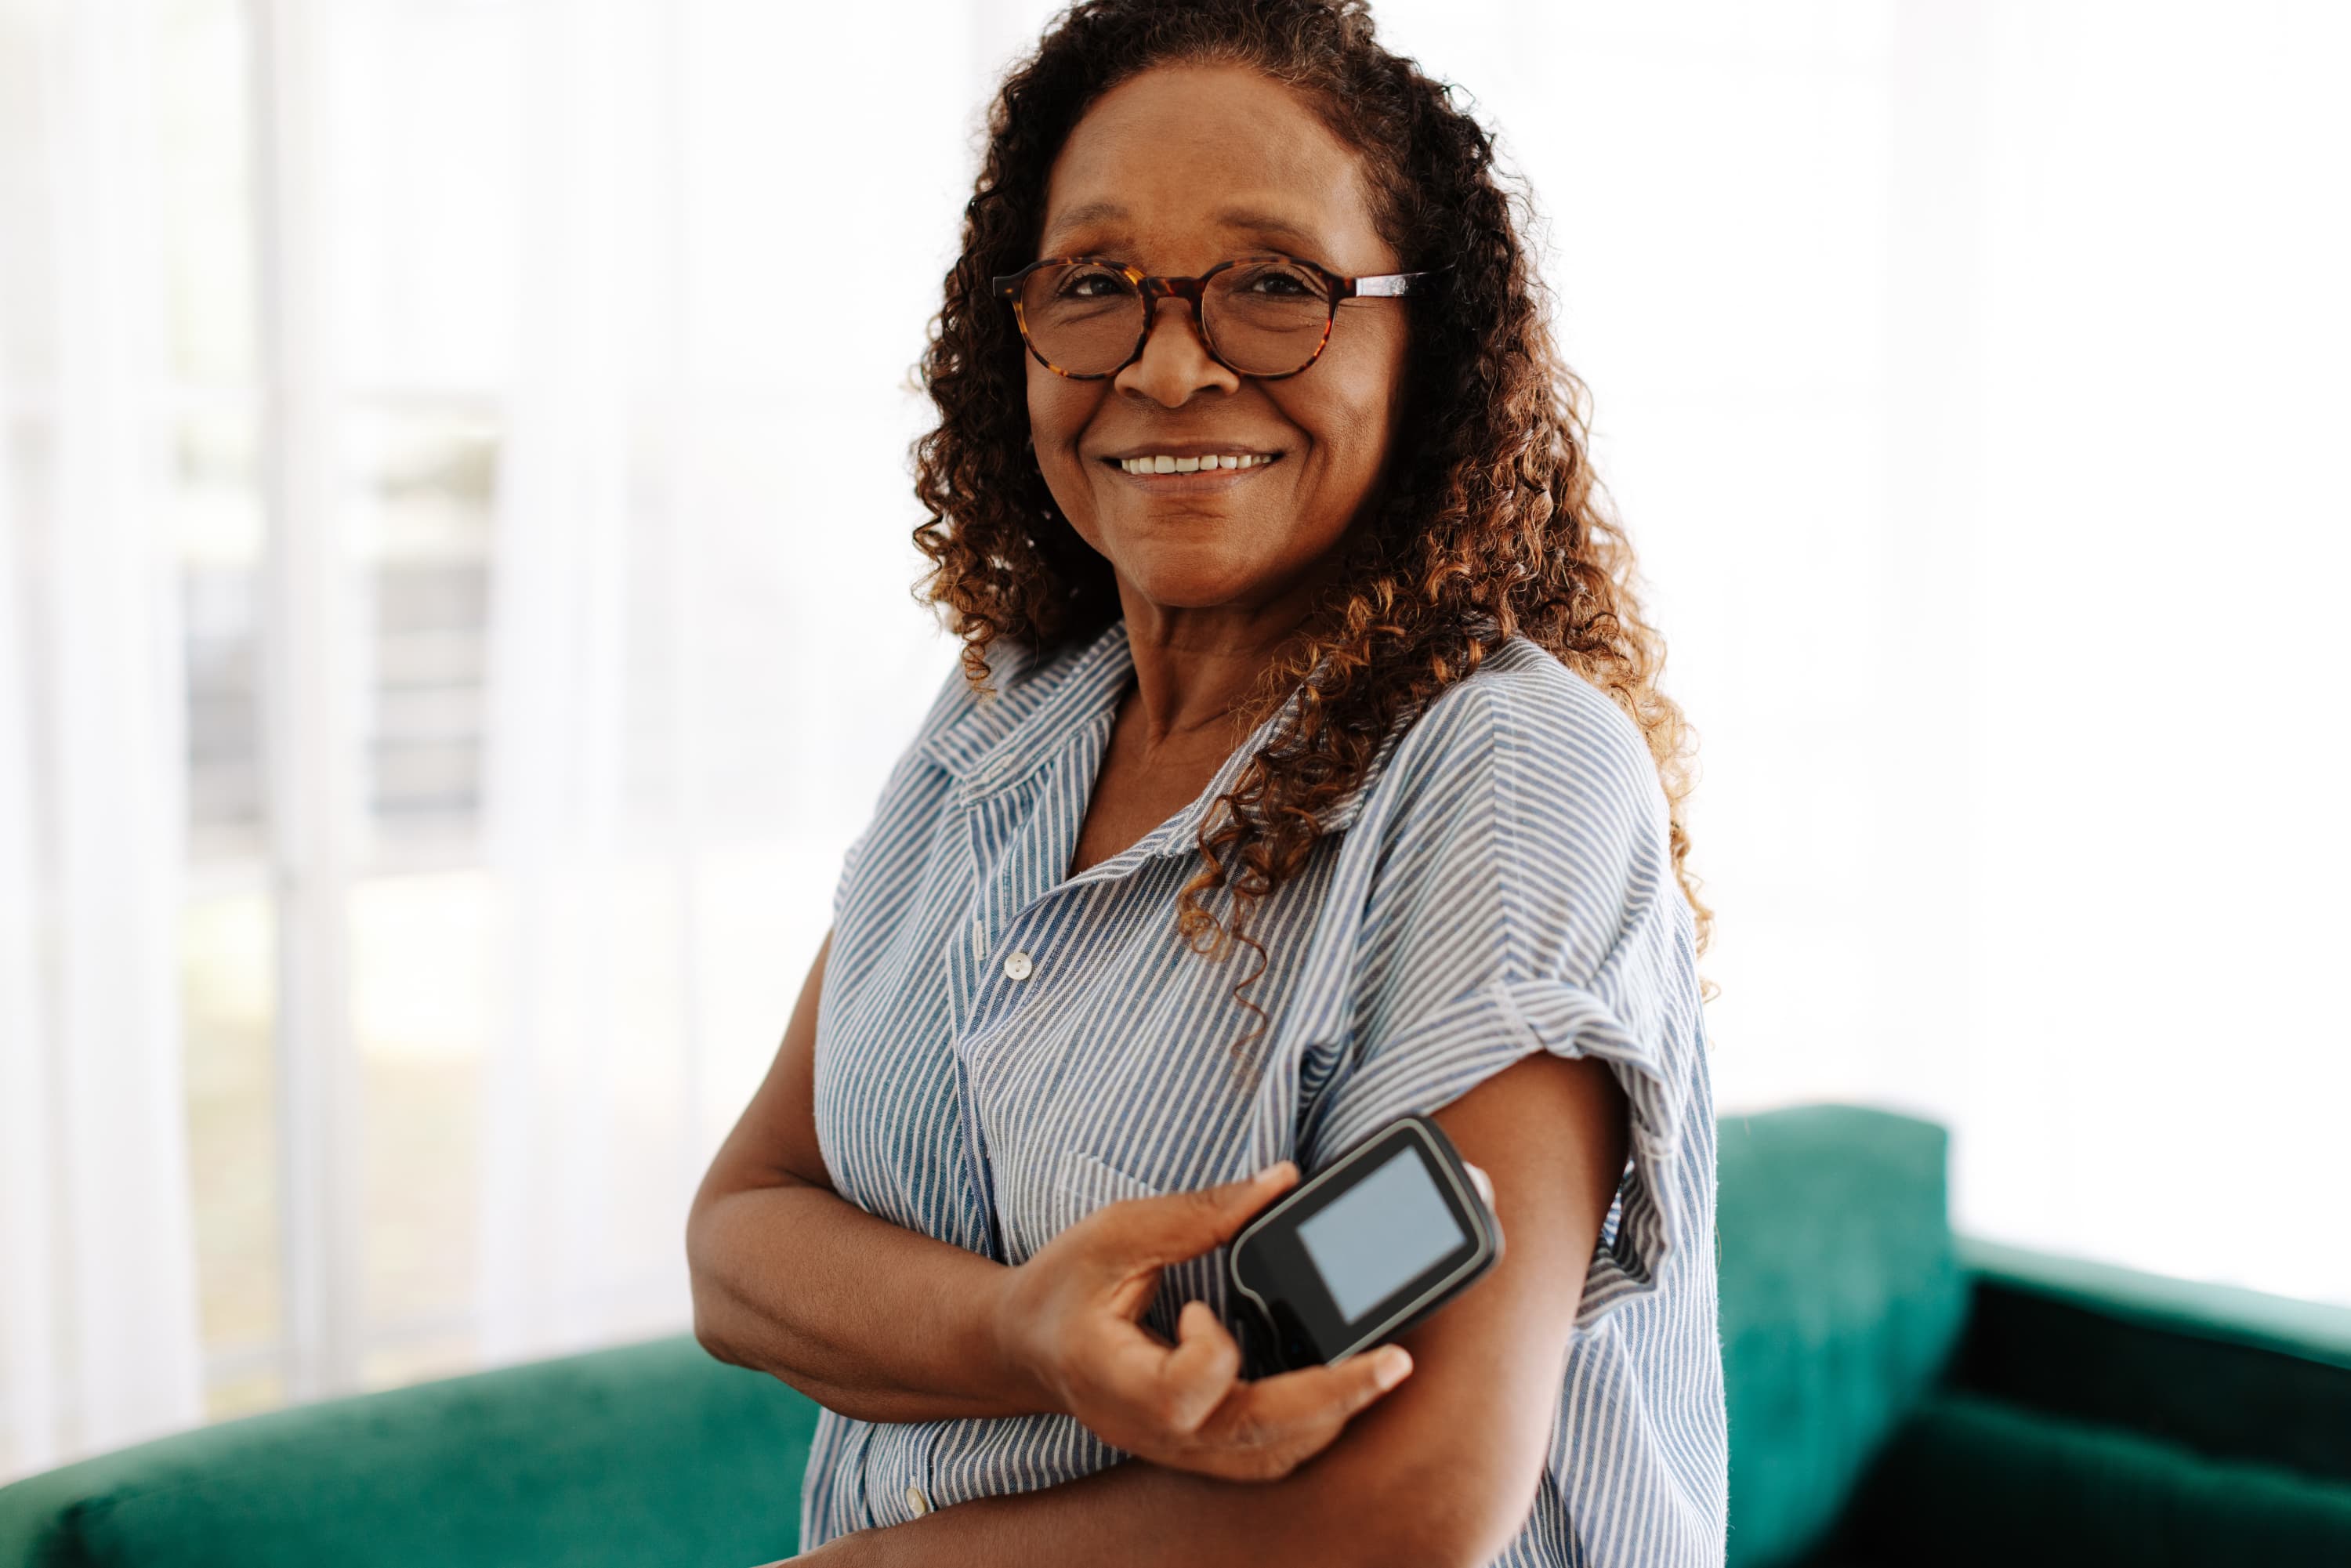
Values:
[(1451, 1051)]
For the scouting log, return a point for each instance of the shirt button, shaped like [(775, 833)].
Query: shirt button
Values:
[(1017, 965), (915, 1501)]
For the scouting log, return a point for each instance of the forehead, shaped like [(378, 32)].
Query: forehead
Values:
[(1196, 158)]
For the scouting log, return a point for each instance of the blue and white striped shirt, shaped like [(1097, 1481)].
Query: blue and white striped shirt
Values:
[(1002, 1047)]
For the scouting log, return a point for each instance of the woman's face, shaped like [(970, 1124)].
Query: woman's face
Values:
[(1173, 171)]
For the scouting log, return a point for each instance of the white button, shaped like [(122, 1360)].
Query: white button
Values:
[(917, 1502), (1017, 965)]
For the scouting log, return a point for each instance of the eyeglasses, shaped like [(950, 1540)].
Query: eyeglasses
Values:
[(1086, 316)]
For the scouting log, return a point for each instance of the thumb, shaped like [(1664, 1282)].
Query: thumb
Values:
[(1190, 1223)]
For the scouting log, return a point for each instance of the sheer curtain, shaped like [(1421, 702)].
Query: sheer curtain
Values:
[(453, 614), (701, 656), (96, 1261), (561, 642)]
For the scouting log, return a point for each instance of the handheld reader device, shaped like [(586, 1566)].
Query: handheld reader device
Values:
[(1363, 1251)]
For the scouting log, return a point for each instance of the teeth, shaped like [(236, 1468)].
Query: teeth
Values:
[(1162, 464)]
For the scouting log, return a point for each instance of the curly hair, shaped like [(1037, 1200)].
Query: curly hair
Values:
[(1490, 522)]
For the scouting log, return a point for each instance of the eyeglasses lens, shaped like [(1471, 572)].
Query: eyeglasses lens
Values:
[(1264, 317)]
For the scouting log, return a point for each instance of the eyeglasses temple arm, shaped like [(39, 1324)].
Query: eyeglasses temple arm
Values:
[(1388, 285)]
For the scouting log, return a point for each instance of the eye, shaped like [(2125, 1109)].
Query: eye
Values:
[(1276, 280), (1091, 281)]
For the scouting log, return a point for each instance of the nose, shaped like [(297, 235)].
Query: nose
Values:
[(1175, 363)]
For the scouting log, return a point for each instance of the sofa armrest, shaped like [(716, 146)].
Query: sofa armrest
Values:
[(2225, 1373), (1969, 1479), (652, 1453), (2099, 1415)]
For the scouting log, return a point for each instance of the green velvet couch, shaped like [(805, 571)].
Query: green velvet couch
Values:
[(1897, 1396)]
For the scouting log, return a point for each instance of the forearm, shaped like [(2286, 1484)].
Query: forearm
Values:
[(866, 1317), (1143, 1515)]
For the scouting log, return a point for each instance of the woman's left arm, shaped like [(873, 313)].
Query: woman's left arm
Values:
[(1443, 1470)]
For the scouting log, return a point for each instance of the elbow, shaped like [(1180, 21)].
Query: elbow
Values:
[(706, 1336), (704, 1291), (706, 1328)]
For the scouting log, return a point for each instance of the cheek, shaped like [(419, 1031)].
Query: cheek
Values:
[(1059, 412), (1058, 407), (1349, 453), (1355, 414)]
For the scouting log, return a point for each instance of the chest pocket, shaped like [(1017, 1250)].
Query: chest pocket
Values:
[(1083, 1182)]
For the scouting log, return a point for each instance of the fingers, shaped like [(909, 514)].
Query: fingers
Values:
[(1142, 1383), (1201, 1370), (1343, 1389), (1269, 1428), (1185, 1404), (1183, 1225), (1322, 1399)]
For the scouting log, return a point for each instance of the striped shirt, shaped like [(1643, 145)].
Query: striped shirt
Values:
[(1002, 1047)]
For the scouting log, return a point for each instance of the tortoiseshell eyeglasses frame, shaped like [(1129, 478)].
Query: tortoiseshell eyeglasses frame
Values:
[(1380, 286)]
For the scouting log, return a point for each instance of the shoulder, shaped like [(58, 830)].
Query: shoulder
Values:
[(1527, 737), (1522, 813)]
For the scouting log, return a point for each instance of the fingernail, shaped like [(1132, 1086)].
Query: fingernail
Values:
[(1274, 1172), (1394, 1361)]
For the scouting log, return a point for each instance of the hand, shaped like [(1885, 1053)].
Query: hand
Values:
[(1068, 1322)]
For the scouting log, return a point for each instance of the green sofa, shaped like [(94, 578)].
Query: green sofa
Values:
[(1897, 1395)]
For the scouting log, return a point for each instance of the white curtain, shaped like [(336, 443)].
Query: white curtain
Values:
[(682, 608), (561, 641), (97, 1262), (1969, 376)]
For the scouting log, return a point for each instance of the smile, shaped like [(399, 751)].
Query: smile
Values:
[(1163, 464), (1162, 475)]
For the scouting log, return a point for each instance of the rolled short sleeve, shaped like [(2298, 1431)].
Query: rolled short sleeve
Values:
[(1526, 901)]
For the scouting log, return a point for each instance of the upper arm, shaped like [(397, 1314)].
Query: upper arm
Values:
[(1527, 903), (1450, 1461), (774, 1141), (1523, 978)]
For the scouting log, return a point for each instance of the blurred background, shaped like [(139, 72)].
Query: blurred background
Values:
[(454, 613)]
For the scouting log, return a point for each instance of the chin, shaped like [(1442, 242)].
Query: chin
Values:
[(1181, 585)]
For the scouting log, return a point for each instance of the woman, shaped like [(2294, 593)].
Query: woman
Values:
[(1291, 620)]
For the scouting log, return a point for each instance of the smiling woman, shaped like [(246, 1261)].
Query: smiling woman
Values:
[(1181, 169), (1260, 502)]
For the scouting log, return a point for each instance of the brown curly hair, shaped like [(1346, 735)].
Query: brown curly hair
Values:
[(1490, 523)]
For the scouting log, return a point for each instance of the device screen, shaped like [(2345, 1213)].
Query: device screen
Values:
[(1389, 1228)]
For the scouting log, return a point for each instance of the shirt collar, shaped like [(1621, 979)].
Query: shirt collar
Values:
[(998, 741)]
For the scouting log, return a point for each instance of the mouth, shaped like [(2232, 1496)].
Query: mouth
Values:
[(1191, 473)]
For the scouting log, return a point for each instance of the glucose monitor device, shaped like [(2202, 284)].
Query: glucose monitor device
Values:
[(1359, 1253)]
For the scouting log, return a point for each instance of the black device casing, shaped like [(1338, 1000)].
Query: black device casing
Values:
[(1286, 1336)]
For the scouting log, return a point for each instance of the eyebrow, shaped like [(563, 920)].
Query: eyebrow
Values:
[(1249, 220)]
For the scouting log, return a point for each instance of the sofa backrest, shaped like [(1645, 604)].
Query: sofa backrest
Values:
[(649, 1453)]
